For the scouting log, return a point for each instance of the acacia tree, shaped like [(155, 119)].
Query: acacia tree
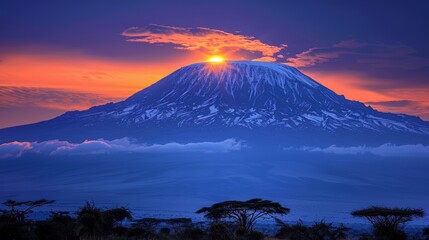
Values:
[(244, 213), (14, 222), (387, 221), (19, 211)]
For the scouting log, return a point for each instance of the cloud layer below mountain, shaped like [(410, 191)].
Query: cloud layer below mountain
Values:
[(385, 150), (101, 146)]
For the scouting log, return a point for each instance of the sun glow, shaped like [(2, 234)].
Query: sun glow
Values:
[(216, 59)]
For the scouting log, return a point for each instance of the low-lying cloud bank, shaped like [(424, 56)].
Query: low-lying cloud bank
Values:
[(385, 150), (101, 146)]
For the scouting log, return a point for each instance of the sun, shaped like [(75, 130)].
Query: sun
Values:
[(216, 59)]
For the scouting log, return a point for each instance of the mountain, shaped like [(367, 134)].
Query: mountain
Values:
[(242, 99)]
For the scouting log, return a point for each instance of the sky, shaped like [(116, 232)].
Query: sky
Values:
[(57, 56)]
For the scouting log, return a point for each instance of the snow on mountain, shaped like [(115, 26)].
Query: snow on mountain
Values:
[(235, 95), (246, 94)]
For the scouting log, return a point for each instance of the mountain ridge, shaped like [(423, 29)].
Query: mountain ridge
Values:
[(236, 94)]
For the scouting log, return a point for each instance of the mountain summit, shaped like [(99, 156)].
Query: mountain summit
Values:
[(234, 97)]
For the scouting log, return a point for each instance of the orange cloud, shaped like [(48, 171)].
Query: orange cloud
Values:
[(265, 59), (200, 38)]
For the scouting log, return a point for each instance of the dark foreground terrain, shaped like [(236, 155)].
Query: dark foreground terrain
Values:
[(228, 220)]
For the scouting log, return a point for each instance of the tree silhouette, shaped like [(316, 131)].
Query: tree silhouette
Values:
[(426, 233), (90, 222), (14, 222), (327, 231), (318, 231), (59, 225), (219, 231), (243, 213), (113, 218), (19, 211), (387, 221)]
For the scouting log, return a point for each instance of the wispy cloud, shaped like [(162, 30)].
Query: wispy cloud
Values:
[(101, 146), (398, 103), (201, 38), (385, 150), (377, 55), (50, 98), (402, 106)]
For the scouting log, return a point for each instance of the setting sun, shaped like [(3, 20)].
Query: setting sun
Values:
[(216, 59)]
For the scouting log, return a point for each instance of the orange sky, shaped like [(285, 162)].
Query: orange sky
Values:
[(74, 72), (99, 81), (106, 77), (56, 57), (48, 83), (350, 84)]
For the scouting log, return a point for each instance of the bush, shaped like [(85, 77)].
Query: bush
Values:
[(319, 230), (137, 232), (426, 233), (193, 234), (219, 231), (164, 231), (60, 225), (254, 235)]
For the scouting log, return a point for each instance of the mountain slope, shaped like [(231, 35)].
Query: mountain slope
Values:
[(236, 95)]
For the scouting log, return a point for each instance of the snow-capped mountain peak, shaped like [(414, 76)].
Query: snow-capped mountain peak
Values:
[(240, 95), (247, 94)]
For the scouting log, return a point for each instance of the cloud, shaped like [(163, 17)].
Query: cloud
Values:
[(55, 98), (14, 149), (377, 55), (200, 38), (101, 146), (265, 59), (420, 108), (385, 150), (398, 103), (23, 105)]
